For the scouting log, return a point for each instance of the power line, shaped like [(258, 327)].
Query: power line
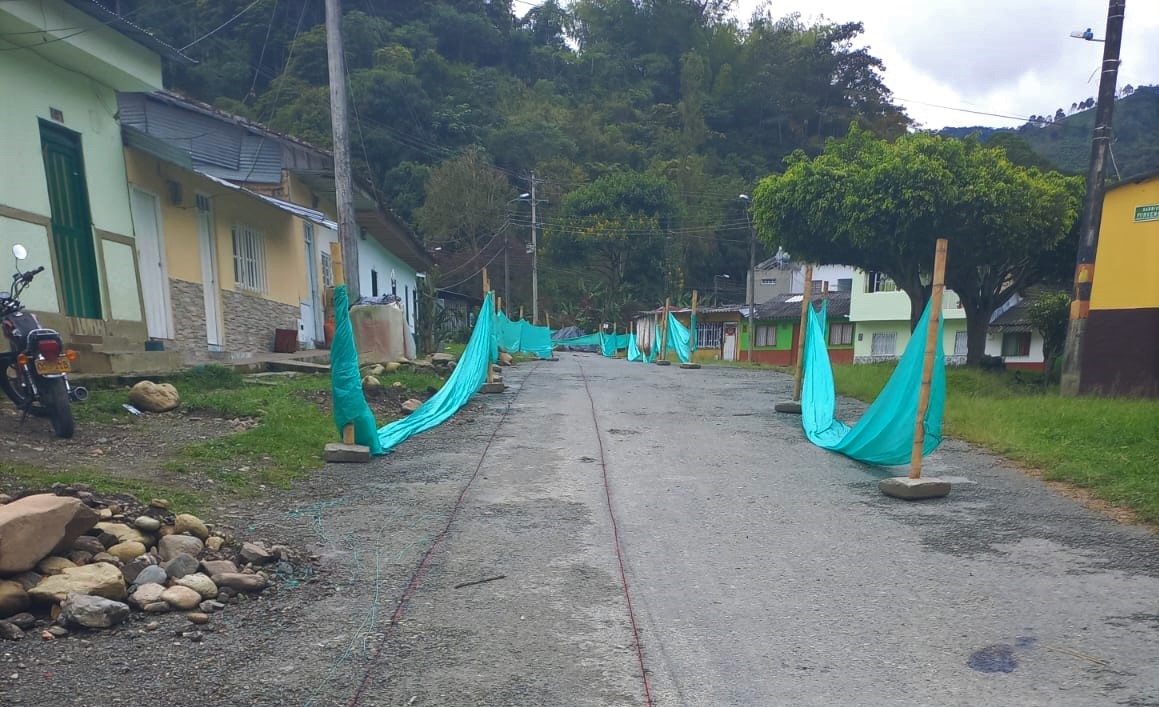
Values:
[(221, 26)]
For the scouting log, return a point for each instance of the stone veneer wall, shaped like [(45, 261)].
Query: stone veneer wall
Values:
[(188, 300), (250, 321)]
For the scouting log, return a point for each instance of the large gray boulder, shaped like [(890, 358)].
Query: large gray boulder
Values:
[(92, 611), (32, 526)]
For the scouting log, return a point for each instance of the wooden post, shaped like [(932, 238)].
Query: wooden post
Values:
[(521, 312), (336, 268), (348, 434), (664, 331), (692, 323), (483, 313), (498, 304), (939, 284), (546, 314), (806, 303)]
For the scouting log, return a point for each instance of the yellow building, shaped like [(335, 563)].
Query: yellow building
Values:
[(1121, 347)]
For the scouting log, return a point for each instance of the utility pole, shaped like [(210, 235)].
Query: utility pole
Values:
[(1093, 206), (752, 273), (534, 260), (506, 281), (343, 178)]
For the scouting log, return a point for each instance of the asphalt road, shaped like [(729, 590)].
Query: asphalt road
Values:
[(762, 570), (477, 566)]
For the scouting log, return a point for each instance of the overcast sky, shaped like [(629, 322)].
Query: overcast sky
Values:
[(1012, 57)]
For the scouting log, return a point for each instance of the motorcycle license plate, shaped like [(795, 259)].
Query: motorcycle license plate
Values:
[(60, 365)]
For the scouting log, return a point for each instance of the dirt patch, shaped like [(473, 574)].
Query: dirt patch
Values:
[(385, 402), (130, 447)]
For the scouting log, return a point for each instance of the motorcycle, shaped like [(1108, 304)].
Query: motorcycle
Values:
[(34, 371)]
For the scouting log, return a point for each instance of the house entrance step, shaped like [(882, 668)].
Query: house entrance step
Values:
[(127, 362)]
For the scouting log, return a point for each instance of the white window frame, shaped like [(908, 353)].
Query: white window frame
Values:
[(844, 332), (709, 335), (878, 344), (249, 259), (961, 343), (879, 282), (327, 270), (763, 333)]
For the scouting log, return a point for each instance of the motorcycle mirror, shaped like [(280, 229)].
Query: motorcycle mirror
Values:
[(19, 251)]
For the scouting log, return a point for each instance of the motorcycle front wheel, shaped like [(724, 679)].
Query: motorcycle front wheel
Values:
[(54, 396)]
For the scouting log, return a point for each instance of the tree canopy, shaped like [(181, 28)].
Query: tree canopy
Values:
[(881, 205)]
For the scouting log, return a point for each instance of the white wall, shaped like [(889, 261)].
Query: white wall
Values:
[(994, 346), (373, 256), (824, 273)]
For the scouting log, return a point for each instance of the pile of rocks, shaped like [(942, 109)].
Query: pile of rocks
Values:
[(65, 563)]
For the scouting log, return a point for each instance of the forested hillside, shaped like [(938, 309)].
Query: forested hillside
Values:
[(1064, 140), (675, 94)]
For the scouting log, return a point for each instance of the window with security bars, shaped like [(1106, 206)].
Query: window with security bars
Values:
[(249, 258), (327, 271), (841, 334), (960, 343), (709, 334), (766, 335), (884, 343), (1016, 343)]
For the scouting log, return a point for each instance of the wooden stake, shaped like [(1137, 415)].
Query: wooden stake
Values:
[(348, 434), (546, 314), (664, 330), (336, 268), (939, 284), (521, 313), (692, 323), (498, 305), (806, 303)]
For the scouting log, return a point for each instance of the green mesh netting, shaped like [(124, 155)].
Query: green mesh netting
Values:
[(346, 381), (523, 337), (884, 434), (611, 343), (636, 354), (679, 339)]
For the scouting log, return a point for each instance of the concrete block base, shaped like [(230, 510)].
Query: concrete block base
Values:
[(662, 362), (337, 452), (690, 366), (493, 388), (792, 407), (914, 489)]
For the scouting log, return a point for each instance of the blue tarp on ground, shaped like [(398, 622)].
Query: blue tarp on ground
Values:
[(884, 434)]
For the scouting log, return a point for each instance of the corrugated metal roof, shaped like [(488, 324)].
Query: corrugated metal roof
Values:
[(300, 211), (145, 142), (132, 31), (788, 306)]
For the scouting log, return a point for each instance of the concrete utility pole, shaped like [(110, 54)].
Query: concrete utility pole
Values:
[(534, 260), (1093, 206), (343, 177), (752, 273)]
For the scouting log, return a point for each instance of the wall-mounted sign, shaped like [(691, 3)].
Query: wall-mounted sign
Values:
[(1149, 212)]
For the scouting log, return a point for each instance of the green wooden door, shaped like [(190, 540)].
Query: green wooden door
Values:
[(72, 234)]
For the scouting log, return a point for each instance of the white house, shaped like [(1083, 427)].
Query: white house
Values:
[(880, 313)]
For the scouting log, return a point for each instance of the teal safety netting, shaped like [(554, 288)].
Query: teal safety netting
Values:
[(523, 337), (469, 375), (595, 339), (346, 381), (679, 339), (884, 434), (635, 354), (611, 343)]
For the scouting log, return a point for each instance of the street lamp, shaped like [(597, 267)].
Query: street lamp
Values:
[(752, 285), (715, 279)]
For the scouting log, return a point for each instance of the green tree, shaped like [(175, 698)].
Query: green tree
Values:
[(466, 203), (880, 206), (1049, 314)]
